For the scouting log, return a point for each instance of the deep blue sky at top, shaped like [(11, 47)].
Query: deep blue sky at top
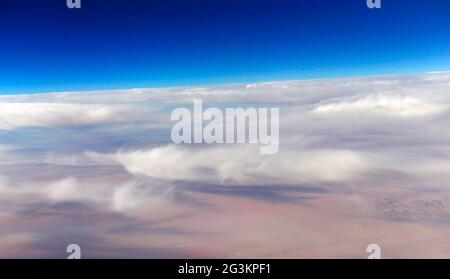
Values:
[(110, 44)]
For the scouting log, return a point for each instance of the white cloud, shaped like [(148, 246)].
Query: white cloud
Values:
[(338, 130), (130, 196), (383, 105), (400, 96), (369, 138), (244, 166), (241, 165), (295, 92), (122, 197), (13, 115)]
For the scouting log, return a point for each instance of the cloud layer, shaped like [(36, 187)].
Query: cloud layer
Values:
[(356, 155), (15, 115)]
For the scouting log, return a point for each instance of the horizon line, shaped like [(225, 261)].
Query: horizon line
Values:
[(212, 85)]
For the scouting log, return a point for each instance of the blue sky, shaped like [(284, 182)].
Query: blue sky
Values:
[(46, 47)]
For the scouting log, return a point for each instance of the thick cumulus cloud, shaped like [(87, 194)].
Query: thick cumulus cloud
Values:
[(242, 165), (245, 166)]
